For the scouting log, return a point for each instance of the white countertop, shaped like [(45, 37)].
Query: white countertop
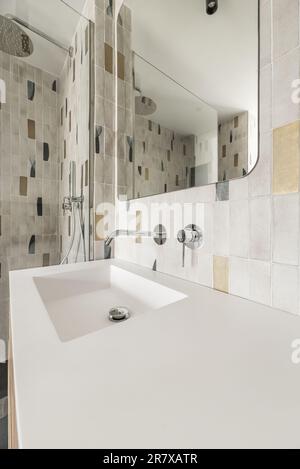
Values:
[(211, 370)]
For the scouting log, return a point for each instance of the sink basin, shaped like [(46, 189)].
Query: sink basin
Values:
[(78, 302)]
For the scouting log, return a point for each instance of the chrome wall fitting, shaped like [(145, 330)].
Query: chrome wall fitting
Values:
[(68, 202), (119, 314), (191, 237), (160, 235)]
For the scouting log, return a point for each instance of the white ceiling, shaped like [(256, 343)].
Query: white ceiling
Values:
[(52, 17), (216, 57)]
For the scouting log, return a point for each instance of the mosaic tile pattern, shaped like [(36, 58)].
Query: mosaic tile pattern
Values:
[(104, 178), (163, 159), (233, 148), (28, 183)]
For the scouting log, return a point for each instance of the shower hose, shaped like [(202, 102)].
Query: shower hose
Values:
[(75, 208)]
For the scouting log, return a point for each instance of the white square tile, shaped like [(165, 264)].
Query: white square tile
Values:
[(285, 288), (265, 33), (221, 229), (260, 282), (286, 229), (239, 277), (285, 71), (239, 228), (266, 99), (206, 228), (285, 26), (238, 189), (202, 267), (260, 178), (260, 228)]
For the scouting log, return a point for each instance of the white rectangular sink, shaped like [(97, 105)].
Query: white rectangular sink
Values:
[(196, 373), (78, 302)]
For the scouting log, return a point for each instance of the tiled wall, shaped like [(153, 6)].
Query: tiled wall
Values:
[(28, 173), (28, 186), (162, 158), (104, 174), (233, 148), (73, 118), (251, 240)]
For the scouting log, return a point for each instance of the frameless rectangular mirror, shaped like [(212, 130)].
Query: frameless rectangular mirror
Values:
[(187, 94)]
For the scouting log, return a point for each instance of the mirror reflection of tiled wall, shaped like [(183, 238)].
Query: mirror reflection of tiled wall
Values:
[(73, 138)]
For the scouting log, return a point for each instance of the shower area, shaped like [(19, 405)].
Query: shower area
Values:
[(46, 124), (57, 137)]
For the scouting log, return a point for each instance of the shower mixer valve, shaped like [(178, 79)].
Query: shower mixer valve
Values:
[(68, 202), (191, 237)]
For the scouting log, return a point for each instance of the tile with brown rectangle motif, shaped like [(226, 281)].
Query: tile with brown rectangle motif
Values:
[(286, 159), (221, 273), (108, 58)]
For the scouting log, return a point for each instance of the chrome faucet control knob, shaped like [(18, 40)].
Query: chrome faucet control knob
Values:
[(191, 237), (67, 205), (181, 236)]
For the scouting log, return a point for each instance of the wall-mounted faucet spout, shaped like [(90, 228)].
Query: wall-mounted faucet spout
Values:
[(159, 236)]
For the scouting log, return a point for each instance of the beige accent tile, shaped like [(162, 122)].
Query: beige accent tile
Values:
[(31, 129), (221, 273), (121, 66), (23, 186), (286, 159), (108, 58)]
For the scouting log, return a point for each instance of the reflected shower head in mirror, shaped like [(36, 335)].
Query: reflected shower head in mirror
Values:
[(144, 106), (13, 40), (211, 6)]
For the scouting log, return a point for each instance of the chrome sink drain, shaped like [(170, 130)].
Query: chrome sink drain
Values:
[(119, 314)]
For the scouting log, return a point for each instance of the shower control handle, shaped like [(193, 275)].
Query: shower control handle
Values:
[(190, 237)]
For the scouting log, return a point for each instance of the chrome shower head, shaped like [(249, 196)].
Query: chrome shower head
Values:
[(13, 40), (144, 106)]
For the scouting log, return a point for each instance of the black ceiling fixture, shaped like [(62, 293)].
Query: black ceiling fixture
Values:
[(211, 6)]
